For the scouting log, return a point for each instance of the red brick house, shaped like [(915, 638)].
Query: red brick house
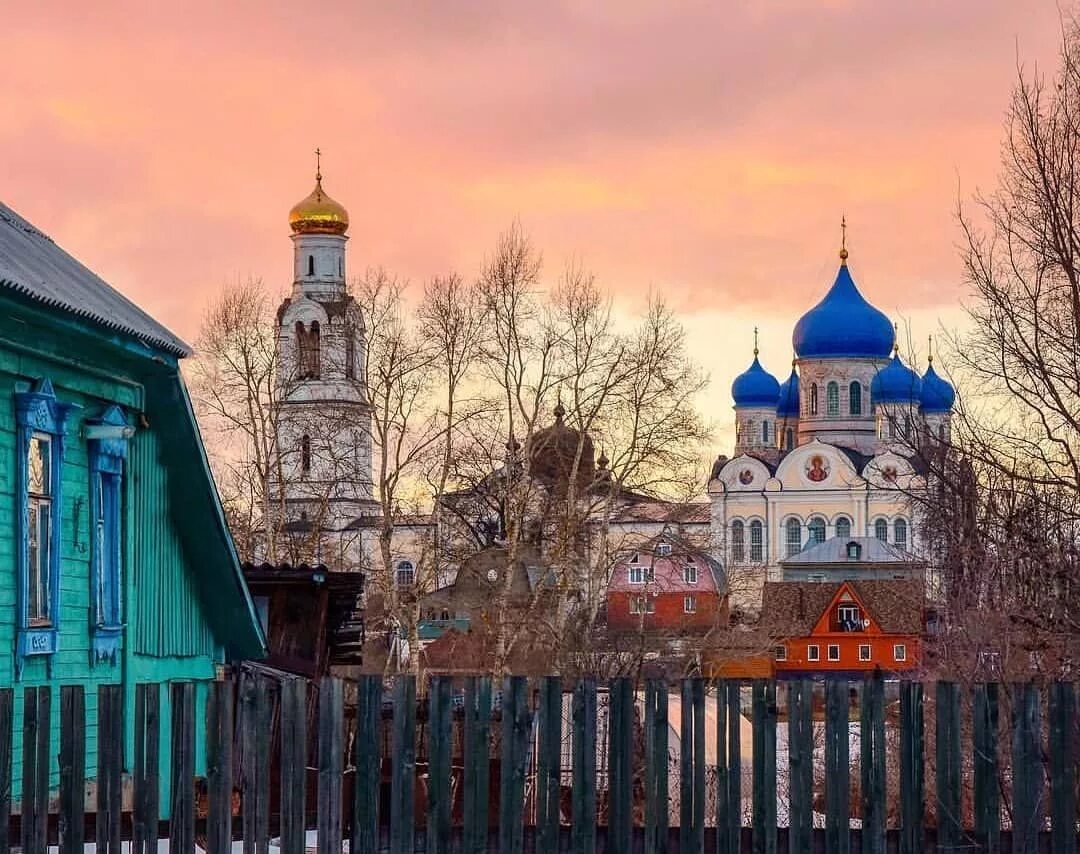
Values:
[(849, 627), (667, 586)]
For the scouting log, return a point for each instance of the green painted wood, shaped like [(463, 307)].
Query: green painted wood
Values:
[(734, 767), (686, 766), (72, 807), (182, 789), (1062, 713), (872, 764), (912, 791), (656, 766), (1027, 784), (403, 767), (219, 767), (110, 736), (7, 716), (764, 766), (620, 757), (331, 761), (583, 796), (723, 824), (440, 735), (987, 801), (549, 763), (800, 765), (837, 768), (947, 767), (146, 765), (35, 770), (293, 765), (512, 760), (367, 760), (477, 770)]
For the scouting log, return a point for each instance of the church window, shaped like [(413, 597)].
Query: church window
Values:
[(789, 438), (311, 265), (307, 350), (941, 431), (794, 536), (405, 576), (900, 533), (757, 544), (738, 545), (817, 530), (843, 527), (305, 453), (832, 400), (350, 354), (339, 263), (765, 432), (881, 530), (813, 398), (855, 398)]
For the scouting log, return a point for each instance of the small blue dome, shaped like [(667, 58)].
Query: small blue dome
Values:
[(755, 387), (896, 383), (788, 407), (843, 324), (937, 393)]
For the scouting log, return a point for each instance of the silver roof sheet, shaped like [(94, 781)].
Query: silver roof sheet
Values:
[(834, 550)]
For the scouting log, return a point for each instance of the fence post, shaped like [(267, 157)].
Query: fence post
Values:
[(477, 770), (1062, 711), (7, 708), (912, 794), (219, 767), (872, 765), (403, 766), (1027, 769), (764, 791), (549, 764), (656, 766), (147, 763), (439, 737), (182, 812), (800, 764), (367, 759), (583, 830), (331, 762), (72, 815), (294, 755), (985, 738), (837, 768)]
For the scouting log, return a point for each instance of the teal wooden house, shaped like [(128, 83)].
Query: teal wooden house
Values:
[(117, 566)]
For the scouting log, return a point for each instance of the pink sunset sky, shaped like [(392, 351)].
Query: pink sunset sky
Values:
[(702, 149)]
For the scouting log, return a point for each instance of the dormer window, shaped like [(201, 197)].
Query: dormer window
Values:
[(663, 549), (854, 550), (848, 618)]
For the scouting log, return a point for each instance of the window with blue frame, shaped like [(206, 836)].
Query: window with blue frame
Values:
[(107, 445), (40, 420)]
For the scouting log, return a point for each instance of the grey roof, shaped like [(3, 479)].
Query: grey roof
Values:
[(32, 265), (834, 550)]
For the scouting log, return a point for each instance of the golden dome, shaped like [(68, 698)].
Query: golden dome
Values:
[(318, 213)]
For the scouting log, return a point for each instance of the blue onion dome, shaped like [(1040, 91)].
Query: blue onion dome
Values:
[(896, 383), (937, 393), (755, 387), (843, 324), (788, 407)]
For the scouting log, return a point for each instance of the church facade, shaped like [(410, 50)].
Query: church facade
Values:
[(829, 456)]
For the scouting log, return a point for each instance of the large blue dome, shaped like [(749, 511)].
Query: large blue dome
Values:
[(843, 324), (896, 383), (755, 387), (788, 407), (937, 393)]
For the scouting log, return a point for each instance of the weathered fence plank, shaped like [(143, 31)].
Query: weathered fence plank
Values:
[(403, 767), (620, 770), (293, 765), (367, 759), (331, 764), (7, 714), (219, 767), (477, 763), (110, 738), (515, 735), (72, 817), (147, 764), (439, 738), (987, 801), (912, 792), (764, 778), (1027, 769), (872, 765), (656, 767), (800, 765), (1062, 713), (583, 795), (182, 788), (734, 767), (35, 780), (947, 761), (837, 768), (549, 763)]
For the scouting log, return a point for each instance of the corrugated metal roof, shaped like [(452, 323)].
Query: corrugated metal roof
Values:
[(834, 550), (33, 265)]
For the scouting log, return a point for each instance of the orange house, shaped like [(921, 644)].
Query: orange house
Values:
[(847, 627)]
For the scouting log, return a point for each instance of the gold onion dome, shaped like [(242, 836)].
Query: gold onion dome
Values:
[(318, 213)]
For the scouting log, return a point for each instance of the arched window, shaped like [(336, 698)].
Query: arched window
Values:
[(855, 398), (789, 438), (765, 432), (405, 575), (305, 453), (738, 543), (817, 530), (843, 527), (793, 530), (311, 265), (813, 398), (832, 400), (757, 542), (900, 533), (307, 350), (881, 530), (315, 352)]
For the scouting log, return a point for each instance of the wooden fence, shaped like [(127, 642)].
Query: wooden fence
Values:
[(471, 769)]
